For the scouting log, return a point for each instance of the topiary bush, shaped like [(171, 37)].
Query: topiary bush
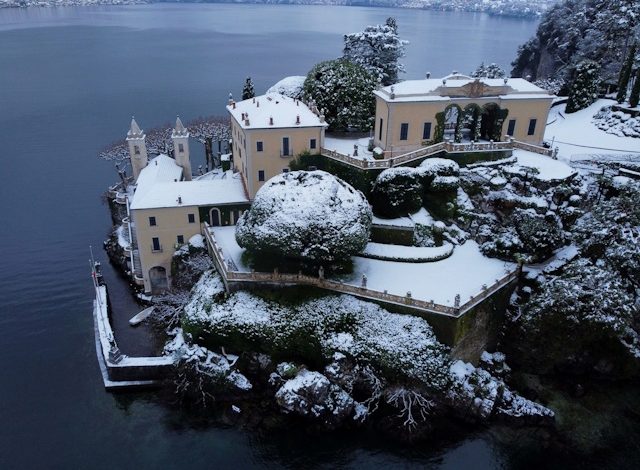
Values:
[(307, 215), (397, 192)]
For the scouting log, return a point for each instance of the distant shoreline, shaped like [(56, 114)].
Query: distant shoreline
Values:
[(512, 9)]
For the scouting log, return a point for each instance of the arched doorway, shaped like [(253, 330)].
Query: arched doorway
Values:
[(492, 120), (452, 122), (215, 217), (158, 279), (471, 123)]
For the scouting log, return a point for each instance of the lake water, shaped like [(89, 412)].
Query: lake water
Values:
[(70, 78)]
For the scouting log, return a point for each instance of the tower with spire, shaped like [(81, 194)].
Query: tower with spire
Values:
[(137, 148), (180, 137)]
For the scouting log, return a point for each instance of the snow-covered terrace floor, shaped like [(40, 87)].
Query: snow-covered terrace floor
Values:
[(464, 272), (345, 146)]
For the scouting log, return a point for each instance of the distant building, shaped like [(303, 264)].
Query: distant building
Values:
[(167, 207), (415, 113), (268, 131)]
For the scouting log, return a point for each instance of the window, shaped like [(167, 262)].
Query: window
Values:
[(285, 170), (259, 146), (155, 244), (180, 148), (192, 218), (312, 144), (380, 130), (532, 126), (260, 175), (426, 131), (512, 127), (180, 239), (136, 150), (404, 130), (152, 221), (285, 147)]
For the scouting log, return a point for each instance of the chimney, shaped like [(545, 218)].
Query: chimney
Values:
[(230, 98), (179, 199), (254, 100), (444, 81), (428, 75), (528, 77), (505, 80), (233, 104), (298, 119), (322, 118), (271, 120), (257, 104), (246, 121)]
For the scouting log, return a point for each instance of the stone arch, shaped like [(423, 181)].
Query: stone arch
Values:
[(471, 122), (453, 123), (158, 279)]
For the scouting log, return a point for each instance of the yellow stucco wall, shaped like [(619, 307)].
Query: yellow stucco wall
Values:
[(248, 161), (170, 222), (393, 114)]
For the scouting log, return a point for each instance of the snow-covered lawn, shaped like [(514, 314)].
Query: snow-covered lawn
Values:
[(421, 217), (577, 129), (548, 168), (462, 273), (344, 145)]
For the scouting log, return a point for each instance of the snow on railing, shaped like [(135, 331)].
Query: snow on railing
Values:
[(451, 147), (532, 148), (276, 277)]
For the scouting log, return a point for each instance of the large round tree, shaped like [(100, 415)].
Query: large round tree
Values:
[(343, 91), (308, 215)]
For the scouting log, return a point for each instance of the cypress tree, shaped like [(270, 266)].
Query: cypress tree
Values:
[(635, 91), (625, 74), (584, 89), (247, 91)]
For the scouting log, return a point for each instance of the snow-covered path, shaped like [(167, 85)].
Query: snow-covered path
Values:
[(575, 134)]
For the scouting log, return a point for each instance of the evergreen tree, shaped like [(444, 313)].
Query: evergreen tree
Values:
[(635, 91), (489, 71), (625, 74), (247, 91), (378, 49), (584, 89), (343, 92)]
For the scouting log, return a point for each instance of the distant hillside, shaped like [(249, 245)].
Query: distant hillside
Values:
[(518, 8), (574, 30)]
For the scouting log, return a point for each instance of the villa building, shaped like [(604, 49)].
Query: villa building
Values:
[(167, 206), (416, 113), (268, 131)]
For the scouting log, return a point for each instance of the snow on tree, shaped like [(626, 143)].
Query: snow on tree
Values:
[(584, 89), (306, 215), (540, 234), (625, 74), (396, 192), (489, 71), (247, 90), (378, 49), (343, 91), (289, 86), (634, 97), (575, 30)]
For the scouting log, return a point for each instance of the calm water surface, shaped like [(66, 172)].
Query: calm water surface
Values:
[(70, 78)]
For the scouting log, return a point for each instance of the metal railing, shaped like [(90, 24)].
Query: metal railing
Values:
[(229, 273)]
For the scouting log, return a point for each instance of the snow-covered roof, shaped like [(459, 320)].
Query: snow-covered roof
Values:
[(159, 185), (274, 110), (438, 89)]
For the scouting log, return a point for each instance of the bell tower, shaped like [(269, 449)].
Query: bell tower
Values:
[(180, 137), (137, 148)]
